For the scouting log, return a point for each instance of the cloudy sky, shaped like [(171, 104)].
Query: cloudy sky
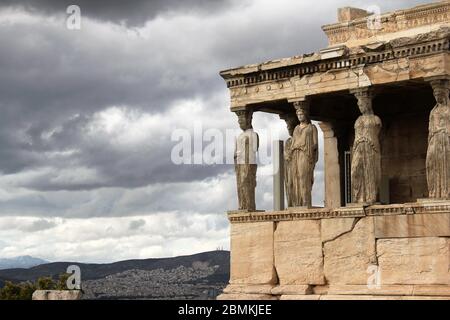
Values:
[(87, 117)]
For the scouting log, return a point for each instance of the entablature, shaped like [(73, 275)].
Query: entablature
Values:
[(341, 69)]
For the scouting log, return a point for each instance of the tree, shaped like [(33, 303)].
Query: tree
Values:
[(21, 291), (46, 283), (62, 282)]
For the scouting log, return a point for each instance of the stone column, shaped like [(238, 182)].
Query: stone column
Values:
[(332, 167), (278, 175)]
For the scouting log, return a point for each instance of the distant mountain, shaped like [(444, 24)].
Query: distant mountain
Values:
[(23, 262), (199, 276)]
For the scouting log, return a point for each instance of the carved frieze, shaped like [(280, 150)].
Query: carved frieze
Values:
[(344, 212), (363, 30)]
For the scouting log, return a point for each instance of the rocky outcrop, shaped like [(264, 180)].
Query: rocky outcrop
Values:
[(57, 295)]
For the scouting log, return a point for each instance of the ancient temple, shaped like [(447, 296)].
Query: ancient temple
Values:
[(380, 94)]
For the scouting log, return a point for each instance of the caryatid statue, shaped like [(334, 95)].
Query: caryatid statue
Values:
[(366, 154), (438, 155), (291, 122), (304, 156), (247, 145)]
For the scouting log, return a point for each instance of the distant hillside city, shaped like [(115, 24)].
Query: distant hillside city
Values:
[(201, 276)]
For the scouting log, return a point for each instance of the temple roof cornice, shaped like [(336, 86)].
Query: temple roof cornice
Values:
[(340, 57)]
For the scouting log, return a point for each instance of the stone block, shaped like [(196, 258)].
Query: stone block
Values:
[(333, 228), (439, 290), (355, 297), (347, 14), (298, 252), (252, 258), (248, 289), (391, 290), (348, 257), (365, 290), (292, 290), (246, 297), (408, 226), (414, 261), (300, 297)]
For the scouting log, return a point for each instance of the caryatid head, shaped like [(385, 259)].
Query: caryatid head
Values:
[(302, 111), (245, 118), (441, 91), (365, 102)]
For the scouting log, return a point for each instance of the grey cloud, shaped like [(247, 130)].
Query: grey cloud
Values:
[(136, 224), (3, 244), (40, 225), (131, 13), (74, 78)]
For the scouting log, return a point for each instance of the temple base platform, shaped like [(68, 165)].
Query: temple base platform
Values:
[(388, 252)]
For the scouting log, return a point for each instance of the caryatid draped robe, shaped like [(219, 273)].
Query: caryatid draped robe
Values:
[(288, 181), (247, 145), (305, 154), (438, 156), (366, 160)]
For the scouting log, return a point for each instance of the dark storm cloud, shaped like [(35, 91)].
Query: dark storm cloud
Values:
[(131, 12), (50, 79)]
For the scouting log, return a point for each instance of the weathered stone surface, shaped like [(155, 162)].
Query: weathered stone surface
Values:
[(361, 297), (438, 290), (365, 290), (248, 289), (300, 297), (414, 261), (409, 266), (355, 297), (292, 290), (337, 80), (56, 295), (348, 257), (332, 167), (402, 23), (347, 14), (391, 290), (320, 290), (333, 228), (417, 225), (246, 297), (298, 252), (252, 259)]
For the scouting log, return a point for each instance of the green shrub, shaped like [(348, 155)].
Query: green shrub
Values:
[(24, 290)]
